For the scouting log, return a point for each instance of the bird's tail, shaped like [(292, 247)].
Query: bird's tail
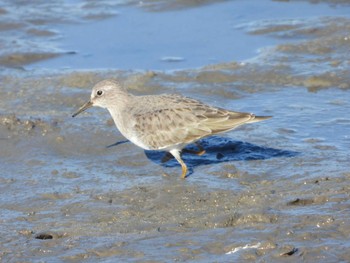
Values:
[(258, 118)]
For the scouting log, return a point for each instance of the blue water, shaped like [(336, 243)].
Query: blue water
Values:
[(186, 38)]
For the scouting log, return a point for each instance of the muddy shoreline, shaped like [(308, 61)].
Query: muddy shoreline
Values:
[(271, 191)]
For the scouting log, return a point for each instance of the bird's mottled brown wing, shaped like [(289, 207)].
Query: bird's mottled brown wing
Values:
[(164, 128), (181, 120)]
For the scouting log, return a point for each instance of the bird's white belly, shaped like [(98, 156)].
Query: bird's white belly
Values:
[(131, 136), (135, 140), (126, 129)]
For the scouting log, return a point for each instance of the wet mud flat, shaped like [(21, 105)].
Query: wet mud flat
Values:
[(72, 190)]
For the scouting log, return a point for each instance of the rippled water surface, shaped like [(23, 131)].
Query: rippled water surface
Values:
[(73, 190)]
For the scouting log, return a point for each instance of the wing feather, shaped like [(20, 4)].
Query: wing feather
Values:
[(174, 120)]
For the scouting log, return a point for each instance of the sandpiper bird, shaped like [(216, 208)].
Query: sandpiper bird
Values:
[(165, 122)]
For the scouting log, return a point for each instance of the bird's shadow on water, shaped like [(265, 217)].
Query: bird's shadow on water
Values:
[(117, 143), (217, 150), (220, 149)]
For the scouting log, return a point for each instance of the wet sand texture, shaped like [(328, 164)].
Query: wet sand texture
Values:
[(73, 190)]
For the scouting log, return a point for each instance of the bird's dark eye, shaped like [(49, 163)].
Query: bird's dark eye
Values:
[(99, 92)]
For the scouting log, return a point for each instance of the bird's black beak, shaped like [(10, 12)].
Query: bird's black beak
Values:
[(83, 108)]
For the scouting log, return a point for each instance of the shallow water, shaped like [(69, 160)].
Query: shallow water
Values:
[(72, 190), (173, 39)]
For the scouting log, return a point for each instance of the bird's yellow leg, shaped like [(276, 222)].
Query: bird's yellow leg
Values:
[(176, 154), (184, 170), (200, 148)]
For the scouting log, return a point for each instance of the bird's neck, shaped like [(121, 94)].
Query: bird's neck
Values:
[(119, 113)]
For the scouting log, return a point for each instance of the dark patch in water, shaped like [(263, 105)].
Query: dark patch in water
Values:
[(291, 252), (44, 236), (220, 149), (301, 202)]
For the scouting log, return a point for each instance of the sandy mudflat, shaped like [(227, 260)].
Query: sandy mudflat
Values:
[(269, 192)]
